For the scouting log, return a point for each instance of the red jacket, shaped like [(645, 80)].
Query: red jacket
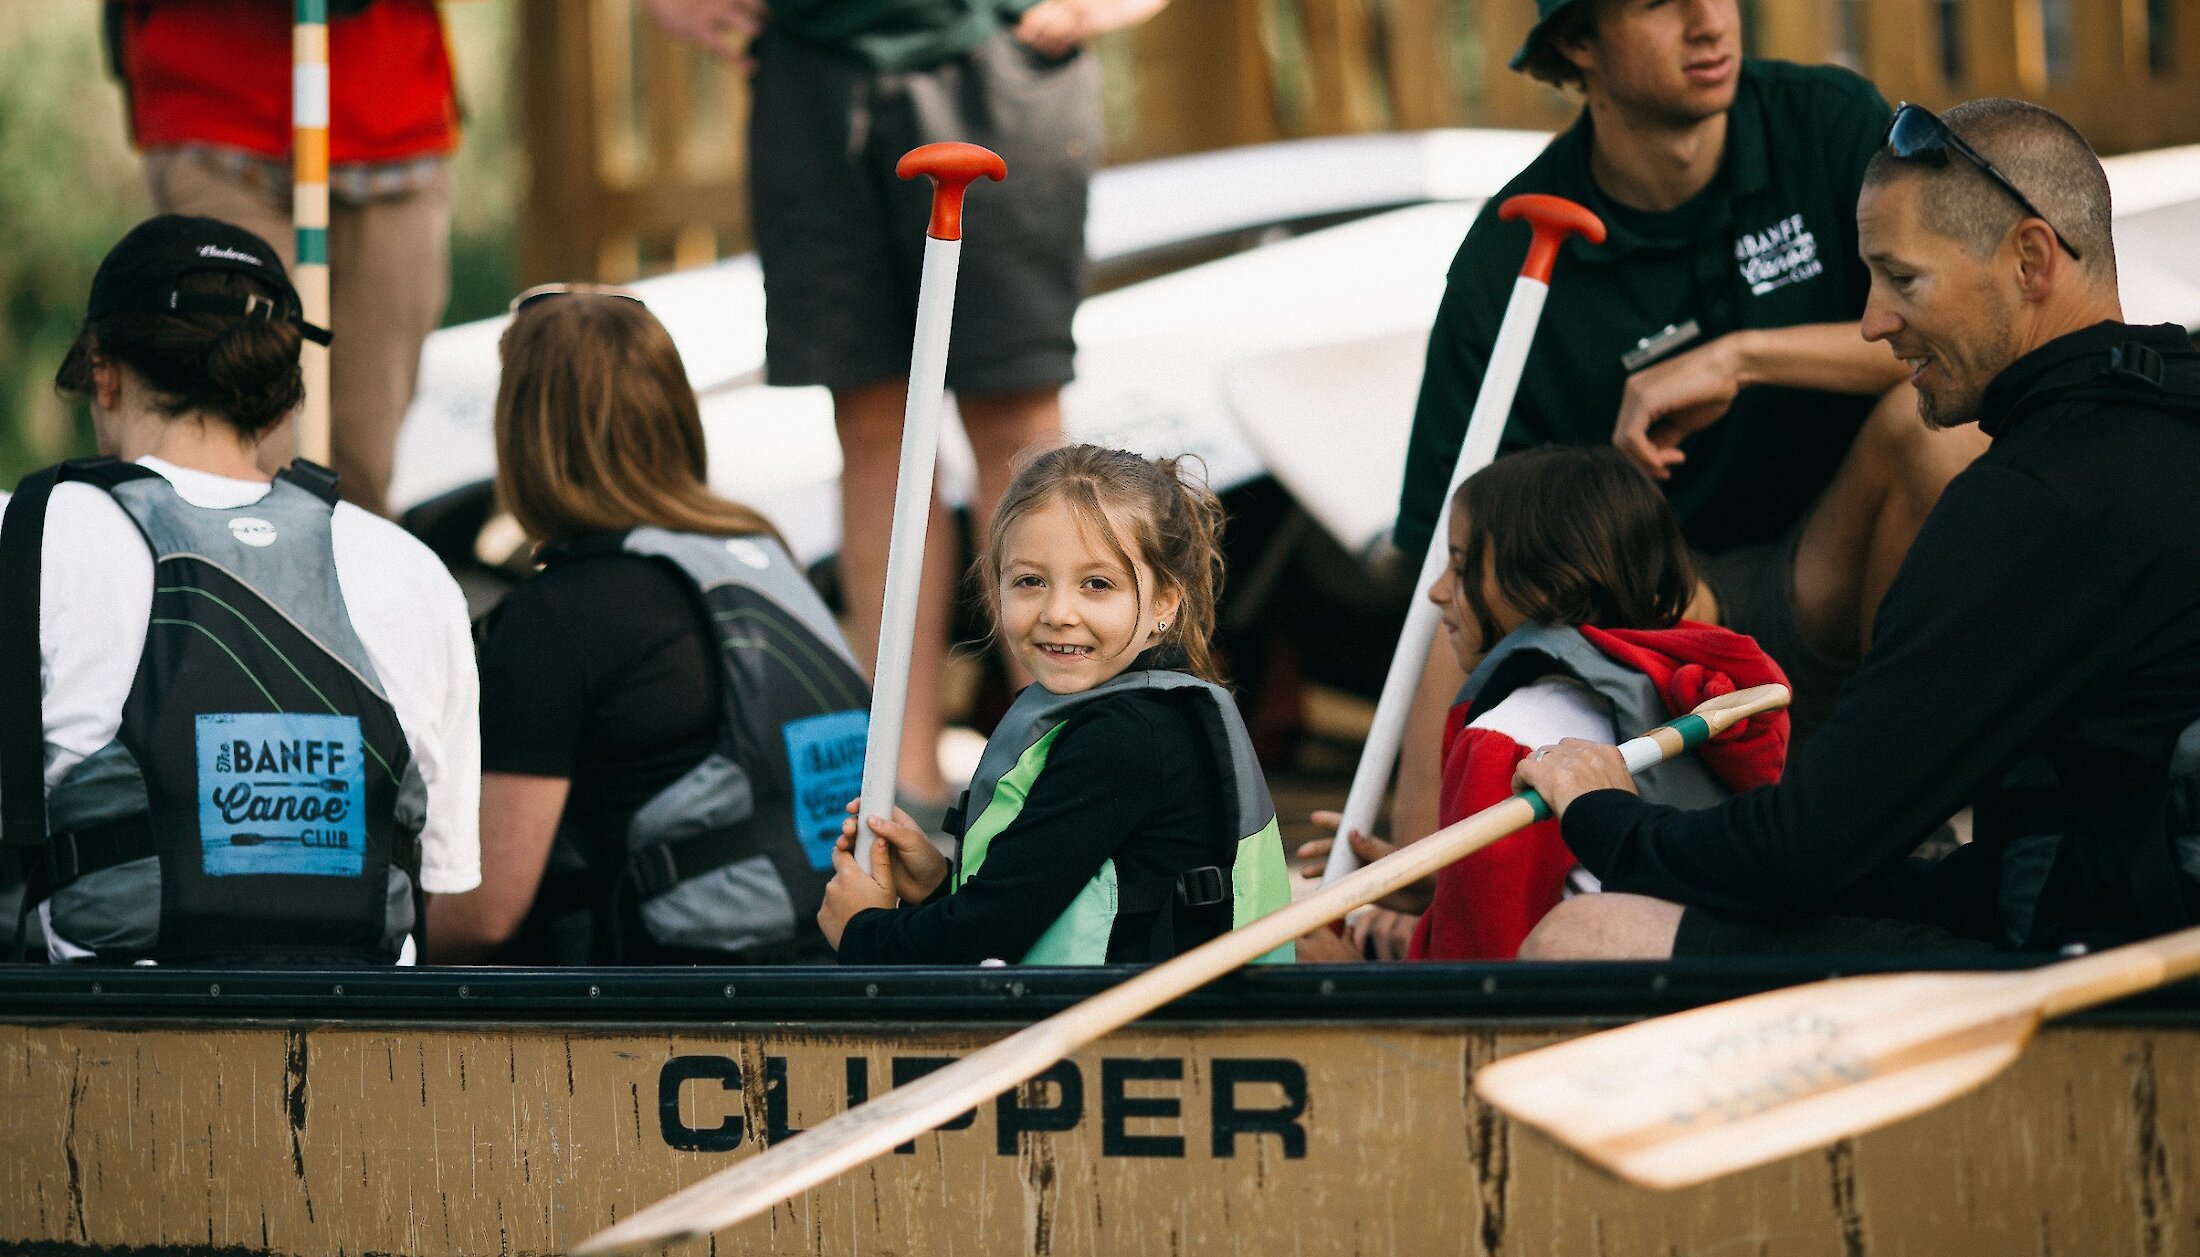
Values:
[(218, 72), (1486, 903)]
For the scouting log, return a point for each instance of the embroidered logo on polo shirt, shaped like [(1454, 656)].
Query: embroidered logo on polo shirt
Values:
[(1782, 254)]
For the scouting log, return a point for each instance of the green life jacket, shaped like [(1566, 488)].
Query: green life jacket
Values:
[(1251, 848)]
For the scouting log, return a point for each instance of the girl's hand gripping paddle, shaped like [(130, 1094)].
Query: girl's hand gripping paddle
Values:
[(1552, 219), (842, 1143), (952, 168)]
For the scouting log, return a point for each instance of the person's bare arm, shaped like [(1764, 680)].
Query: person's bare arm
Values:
[(1421, 749), (1054, 27), (1691, 391), (723, 27), (519, 818)]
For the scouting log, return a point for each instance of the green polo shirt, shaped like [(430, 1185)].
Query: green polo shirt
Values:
[(895, 35), (1771, 242)]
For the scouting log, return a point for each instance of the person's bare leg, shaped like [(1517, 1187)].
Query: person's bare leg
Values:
[(869, 421), (1001, 426), (1605, 927), (1855, 538)]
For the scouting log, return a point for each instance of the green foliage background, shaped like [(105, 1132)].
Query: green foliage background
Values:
[(70, 186)]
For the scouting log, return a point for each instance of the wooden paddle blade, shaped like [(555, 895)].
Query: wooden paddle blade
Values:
[(1682, 1099)]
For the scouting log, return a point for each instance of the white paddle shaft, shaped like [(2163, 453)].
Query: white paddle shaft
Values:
[(1492, 406), (920, 447)]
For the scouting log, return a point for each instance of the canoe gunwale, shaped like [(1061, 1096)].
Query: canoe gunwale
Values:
[(888, 1000)]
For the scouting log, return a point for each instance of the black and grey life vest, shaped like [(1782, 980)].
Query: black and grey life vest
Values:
[(1248, 878), (734, 856), (1535, 651), (259, 802)]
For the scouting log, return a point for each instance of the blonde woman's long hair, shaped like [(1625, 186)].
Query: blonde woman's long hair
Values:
[(597, 428)]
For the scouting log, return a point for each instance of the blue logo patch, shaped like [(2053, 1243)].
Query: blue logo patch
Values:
[(825, 761), (282, 793)]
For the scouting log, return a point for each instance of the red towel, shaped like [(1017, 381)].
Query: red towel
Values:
[(1487, 902)]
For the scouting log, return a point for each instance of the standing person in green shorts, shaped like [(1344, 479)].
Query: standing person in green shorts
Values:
[(1713, 337), (840, 90)]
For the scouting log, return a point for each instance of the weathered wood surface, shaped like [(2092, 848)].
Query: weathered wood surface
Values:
[(1177, 1140)]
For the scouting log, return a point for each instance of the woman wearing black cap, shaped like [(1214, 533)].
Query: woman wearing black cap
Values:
[(253, 707)]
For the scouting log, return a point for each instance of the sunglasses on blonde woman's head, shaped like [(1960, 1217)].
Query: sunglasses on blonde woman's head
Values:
[(543, 292), (1917, 134)]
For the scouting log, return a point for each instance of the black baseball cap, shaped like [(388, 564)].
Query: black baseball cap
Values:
[(1545, 10), (138, 275)]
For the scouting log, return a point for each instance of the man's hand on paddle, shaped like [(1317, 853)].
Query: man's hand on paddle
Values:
[(1668, 401), (1573, 768)]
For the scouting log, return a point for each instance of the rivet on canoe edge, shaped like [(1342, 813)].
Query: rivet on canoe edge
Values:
[(96, 988), (870, 988), (214, 989), (1329, 986), (1489, 986), (1016, 989), (729, 988), (1657, 982), (463, 992), (594, 991), (339, 988)]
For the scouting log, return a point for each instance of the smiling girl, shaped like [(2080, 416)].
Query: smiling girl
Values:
[(1117, 814)]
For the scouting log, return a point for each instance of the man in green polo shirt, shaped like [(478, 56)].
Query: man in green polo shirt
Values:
[(1712, 337)]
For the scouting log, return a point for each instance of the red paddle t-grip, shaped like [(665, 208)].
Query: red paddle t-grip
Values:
[(1552, 219), (952, 167)]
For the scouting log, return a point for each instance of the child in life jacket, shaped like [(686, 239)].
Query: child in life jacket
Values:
[(1564, 602), (1117, 814)]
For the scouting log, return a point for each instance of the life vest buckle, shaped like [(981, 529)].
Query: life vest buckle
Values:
[(1202, 887), (2135, 363)]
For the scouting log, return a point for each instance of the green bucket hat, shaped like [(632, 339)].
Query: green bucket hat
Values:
[(1545, 10)]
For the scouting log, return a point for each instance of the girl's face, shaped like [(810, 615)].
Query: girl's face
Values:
[(1459, 619), (1070, 611)]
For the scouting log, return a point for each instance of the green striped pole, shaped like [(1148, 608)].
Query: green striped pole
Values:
[(309, 210)]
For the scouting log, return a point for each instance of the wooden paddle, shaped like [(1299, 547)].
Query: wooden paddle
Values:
[(1680, 1099), (854, 1137)]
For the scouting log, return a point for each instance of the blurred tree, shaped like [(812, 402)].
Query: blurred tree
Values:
[(70, 186)]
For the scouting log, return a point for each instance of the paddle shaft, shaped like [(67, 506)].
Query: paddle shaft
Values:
[(2070, 985), (1508, 357), (309, 77), (1551, 221), (868, 1130), (920, 447)]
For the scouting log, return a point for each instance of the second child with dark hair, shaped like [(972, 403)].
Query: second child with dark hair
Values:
[(1117, 814), (1563, 602)]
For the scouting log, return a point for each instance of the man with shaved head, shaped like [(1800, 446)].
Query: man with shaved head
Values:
[(2037, 657)]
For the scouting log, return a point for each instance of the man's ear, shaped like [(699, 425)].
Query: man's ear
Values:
[(2039, 259), (1580, 50)]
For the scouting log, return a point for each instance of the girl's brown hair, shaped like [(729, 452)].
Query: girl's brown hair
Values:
[(597, 428), (1173, 521), (1575, 536), (239, 369)]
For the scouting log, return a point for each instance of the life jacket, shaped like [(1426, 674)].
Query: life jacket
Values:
[(1191, 911), (1534, 651), (734, 856), (259, 801)]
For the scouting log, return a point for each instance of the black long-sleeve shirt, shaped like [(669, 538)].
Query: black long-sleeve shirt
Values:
[(1129, 778), (2049, 608)]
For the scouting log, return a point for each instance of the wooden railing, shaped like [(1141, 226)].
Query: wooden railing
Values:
[(637, 144)]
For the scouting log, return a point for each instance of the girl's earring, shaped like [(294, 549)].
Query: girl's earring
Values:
[(1160, 626)]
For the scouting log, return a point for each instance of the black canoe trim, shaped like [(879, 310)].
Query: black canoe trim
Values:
[(1306, 994)]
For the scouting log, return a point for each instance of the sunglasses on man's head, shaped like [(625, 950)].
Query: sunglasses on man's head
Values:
[(1917, 134), (543, 292)]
